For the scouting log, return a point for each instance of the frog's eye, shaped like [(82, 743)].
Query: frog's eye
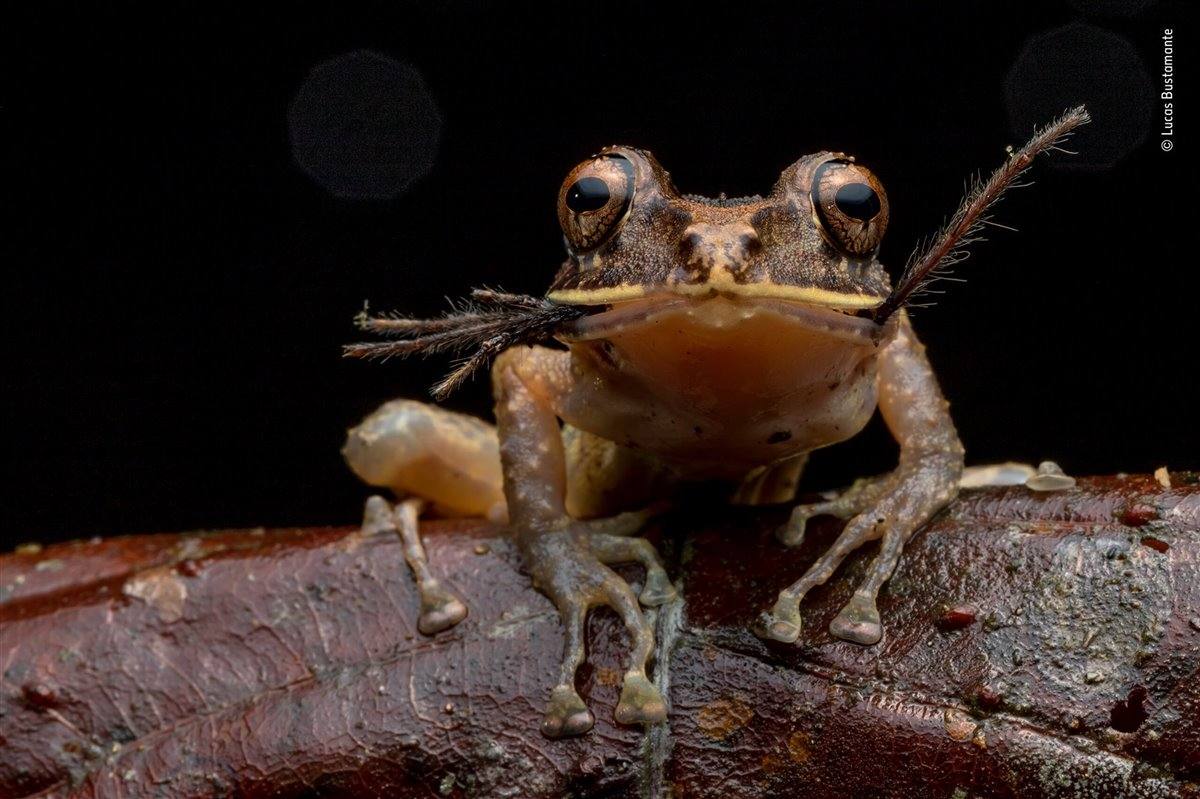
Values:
[(594, 200), (850, 206)]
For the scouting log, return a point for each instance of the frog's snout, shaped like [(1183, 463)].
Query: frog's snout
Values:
[(707, 249)]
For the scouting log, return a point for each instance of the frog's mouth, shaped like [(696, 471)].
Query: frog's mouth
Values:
[(721, 311)]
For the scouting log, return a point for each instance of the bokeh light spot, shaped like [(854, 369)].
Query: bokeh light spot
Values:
[(364, 126), (1075, 64)]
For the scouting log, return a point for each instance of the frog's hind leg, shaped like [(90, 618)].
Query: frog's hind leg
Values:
[(416, 449), (426, 455), (440, 608), (604, 477)]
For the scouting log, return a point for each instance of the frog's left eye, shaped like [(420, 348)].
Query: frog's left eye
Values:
[(850, 206), (594, 200)]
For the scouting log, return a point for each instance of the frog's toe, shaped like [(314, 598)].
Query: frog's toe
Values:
[(377, 517), (440, 609), (858, 622), (566, 564), (658, 589), (773, 626), (566, 715), (640, 702), (791, 532), (843, 505), (781, 622)]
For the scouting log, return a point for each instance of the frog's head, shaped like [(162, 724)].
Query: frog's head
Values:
[(812, 241), (641, 253)]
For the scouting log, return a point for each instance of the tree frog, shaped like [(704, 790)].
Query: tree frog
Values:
[(718, 340)]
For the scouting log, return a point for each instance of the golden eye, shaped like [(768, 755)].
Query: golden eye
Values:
[(594, 201), (850, 206)]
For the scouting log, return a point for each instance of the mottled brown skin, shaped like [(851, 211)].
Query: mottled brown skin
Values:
[(728, 339)]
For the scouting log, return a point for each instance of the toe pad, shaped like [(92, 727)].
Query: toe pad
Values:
[(858, 623), (440, 610), (657, 591), (641, 703), (566, 715)]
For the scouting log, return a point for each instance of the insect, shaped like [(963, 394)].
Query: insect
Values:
[(703, 339)]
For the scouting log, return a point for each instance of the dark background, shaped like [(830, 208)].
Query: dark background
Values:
[(204, 197)]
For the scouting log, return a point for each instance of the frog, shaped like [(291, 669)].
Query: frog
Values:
[(718, 341)]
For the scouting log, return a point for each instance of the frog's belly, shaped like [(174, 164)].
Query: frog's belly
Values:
[(721, 392)]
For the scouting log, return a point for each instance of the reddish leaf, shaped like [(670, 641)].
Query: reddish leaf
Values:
[(286, 663)]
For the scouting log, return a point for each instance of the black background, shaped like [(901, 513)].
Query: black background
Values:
[(180, 287)]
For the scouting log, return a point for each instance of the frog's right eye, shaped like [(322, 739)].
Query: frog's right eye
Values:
[(594, 201)]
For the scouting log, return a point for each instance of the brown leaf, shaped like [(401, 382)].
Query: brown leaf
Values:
[(287, 663)]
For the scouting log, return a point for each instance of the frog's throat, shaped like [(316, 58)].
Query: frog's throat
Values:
[(808, 295)]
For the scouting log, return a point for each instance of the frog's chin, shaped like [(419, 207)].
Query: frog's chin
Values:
[(726, 312)]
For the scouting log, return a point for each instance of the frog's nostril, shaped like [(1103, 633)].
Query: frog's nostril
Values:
[(708, 243), (690, 242)]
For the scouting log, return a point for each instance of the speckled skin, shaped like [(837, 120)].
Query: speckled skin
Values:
[(725, 343)]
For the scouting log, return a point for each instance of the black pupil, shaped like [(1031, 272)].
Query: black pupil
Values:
[(857, 200), (587, 194)]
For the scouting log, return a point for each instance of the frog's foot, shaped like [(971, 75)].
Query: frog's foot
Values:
[(608, 541), (569, 566), (900, 504), (853, 500), (566, 714), (440, 608)]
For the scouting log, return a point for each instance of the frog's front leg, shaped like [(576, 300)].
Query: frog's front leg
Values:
[(567, 557), (891, 508)]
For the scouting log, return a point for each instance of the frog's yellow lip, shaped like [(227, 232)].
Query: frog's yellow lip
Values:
[(722, 310), (808, 295)]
